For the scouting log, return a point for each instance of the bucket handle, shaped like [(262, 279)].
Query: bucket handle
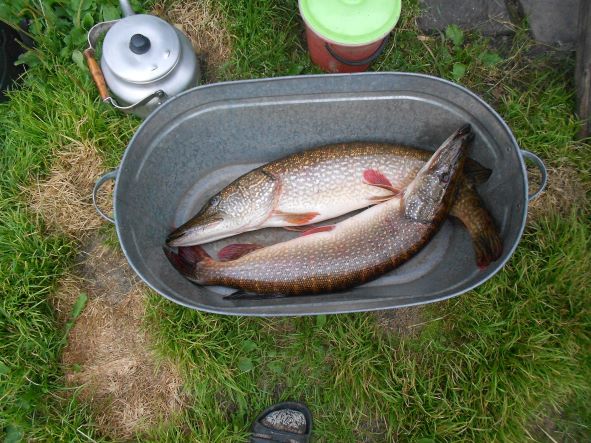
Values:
[(365, 61), (540, 164), (111, 175)]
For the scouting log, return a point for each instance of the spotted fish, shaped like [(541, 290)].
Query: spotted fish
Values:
[(354, 251), (326, 182)]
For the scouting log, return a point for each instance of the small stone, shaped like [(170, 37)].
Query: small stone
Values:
[(491, 17), (286, 420), (552, 22)]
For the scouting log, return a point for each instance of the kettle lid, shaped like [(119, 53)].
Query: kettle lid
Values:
[(141, 48)]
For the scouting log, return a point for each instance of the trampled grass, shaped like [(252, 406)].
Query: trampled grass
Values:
[(486, 366)]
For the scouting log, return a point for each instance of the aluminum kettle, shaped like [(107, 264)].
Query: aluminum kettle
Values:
[(145, 60)]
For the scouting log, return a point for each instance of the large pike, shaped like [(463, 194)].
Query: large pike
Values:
[(326, 182), (355, 251)]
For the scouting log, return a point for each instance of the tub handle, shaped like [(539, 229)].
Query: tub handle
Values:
[(365, 61), (540, 164), (111, 175)]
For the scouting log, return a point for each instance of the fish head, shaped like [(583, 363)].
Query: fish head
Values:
[(241, 206), (431, 193)]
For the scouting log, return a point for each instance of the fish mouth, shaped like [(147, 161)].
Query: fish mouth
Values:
[(466, 129), (194, 232), (453, 148)]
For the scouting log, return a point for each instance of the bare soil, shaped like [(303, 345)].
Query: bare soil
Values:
[(204, 24), (109, 356), (65, 198), (404, 322), (563, 193)]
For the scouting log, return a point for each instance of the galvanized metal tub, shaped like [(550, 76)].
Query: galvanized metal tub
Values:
[(195, 144)]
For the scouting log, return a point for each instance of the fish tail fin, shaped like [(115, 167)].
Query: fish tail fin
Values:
[(477, 173), (469, 209), (488, 246), (187, 259)]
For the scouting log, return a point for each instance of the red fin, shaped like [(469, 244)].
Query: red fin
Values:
[(193, 254), (296, 228), (316, 229), (181, 264), (296, 219), (237, 250), (376, 178)]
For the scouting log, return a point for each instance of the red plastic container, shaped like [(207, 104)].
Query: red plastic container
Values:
[(332, 57), (347, 35)]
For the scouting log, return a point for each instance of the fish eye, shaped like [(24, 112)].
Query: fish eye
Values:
[(214, 201), (444, 177)]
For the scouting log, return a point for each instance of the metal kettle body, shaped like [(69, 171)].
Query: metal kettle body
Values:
[(144, 61)]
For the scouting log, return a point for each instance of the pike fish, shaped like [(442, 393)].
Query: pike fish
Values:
[(356, 250), (326, 182)]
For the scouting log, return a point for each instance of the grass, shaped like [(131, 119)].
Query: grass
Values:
[(487, 366)]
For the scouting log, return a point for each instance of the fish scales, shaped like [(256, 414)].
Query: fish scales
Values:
[(327, 179), (357, 250)]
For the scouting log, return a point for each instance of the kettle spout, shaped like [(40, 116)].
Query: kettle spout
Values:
[(126, 8)]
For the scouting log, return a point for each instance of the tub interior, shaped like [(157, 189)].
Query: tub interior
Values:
[(200, 141)]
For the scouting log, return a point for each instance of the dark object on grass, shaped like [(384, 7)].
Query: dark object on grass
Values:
[(284, 422), (10, 49), (583, 69), (552, 22), (491, 17)]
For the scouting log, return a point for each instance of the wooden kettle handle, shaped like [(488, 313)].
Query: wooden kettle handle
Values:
[(96, 73)]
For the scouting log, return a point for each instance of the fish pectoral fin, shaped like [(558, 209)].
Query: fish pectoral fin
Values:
[(237, 250), (181, 264), (295, 218), (193, 254), (314, 230), (243, 295), (187, 258), (373, 177)]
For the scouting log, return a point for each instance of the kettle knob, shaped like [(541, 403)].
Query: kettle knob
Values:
[(139, 44)]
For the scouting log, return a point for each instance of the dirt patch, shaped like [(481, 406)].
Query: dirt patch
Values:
[(403, 322), (108, 354), (105, 272), (205, 25), (65, 198), (563, 193), (372, 431), (69, 288)]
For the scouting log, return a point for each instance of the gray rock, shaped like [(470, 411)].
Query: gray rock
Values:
[(552, 22), (491, 17)]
